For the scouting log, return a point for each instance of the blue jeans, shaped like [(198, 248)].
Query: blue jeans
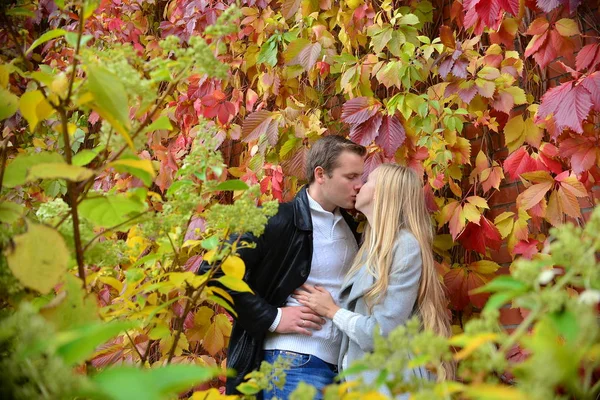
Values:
[(304, 368)]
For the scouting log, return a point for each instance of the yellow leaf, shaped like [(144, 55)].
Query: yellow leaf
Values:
[(214, 340), (234, 266), (209, 256), (447, 388), (567, 27), (38, 258), (517, 93), (514, 133), (112, 282), (144, 165), (234, 284), (34, 108), (471, 213), (504, 222), (471, 343), (478, 201), (485, 391), (533, 134), (484, 267), (222, 293)]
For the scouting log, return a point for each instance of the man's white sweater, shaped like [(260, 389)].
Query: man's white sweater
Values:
[(334, 248)]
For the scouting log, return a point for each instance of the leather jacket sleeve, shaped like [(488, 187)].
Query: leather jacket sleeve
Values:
[(254, 313)]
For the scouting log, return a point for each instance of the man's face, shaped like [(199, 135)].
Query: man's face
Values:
[(341, 188)]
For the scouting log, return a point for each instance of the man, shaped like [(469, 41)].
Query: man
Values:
[(310, 239)]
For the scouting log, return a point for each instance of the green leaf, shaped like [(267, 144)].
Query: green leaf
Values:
[(10, 212), (108, 211), (110, 99), (566, 324), (162, 123), (502, 283), (84, 157), (20, 12), (9, 104), (72, 308), (233, 184), (38, 258), (77, 345), (59, 171), (248, 388), (125, 383), (35, 108), (497, 300), (210, 243), (53, 34), (140, 168), (268, 52), (408, 19)]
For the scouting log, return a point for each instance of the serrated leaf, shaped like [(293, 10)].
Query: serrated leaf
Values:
[(567, 27), (569, 105), (366, 132), (289, 8), (256, 124), (533, 195), (358, 110), (38, 258), (391, 135)]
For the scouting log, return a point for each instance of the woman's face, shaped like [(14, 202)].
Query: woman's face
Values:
[(364, 199)]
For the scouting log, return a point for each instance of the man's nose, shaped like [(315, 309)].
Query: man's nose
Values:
[(358, 184)]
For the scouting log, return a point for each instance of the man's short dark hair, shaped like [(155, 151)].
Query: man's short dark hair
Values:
[(325, 152)]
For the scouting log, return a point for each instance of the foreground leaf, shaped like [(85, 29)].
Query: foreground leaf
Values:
[(125, 383), (39, 257)]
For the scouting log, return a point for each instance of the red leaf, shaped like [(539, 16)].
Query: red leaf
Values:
[(535, 44), (512, 6), (456, 284), (592, 83), (586, 58), (372, 161), (478, 237), (391, 135), (366, 132), (482, 14), (582, 151), (549, 5), (296, 165), (358, 110), (569, 104), (527, 248), (519, 162), (447, 37), (538, 26), (474, 281), (289, 8), (309, 55), (256, 124)]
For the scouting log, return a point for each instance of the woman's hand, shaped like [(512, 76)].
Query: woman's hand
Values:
[(317, 299)]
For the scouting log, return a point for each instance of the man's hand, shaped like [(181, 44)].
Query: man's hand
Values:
[(299, 320)]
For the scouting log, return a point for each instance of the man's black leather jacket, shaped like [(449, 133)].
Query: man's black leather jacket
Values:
[(278, 265)]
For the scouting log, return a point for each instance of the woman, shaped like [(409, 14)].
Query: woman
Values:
[(393, 276)]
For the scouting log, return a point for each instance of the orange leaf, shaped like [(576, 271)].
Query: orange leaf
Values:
[(533, 195)]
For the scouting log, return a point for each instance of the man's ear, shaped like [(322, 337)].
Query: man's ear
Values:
[(319, 174)]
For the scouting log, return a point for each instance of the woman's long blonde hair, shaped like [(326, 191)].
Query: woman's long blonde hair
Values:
[(399, 203)]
